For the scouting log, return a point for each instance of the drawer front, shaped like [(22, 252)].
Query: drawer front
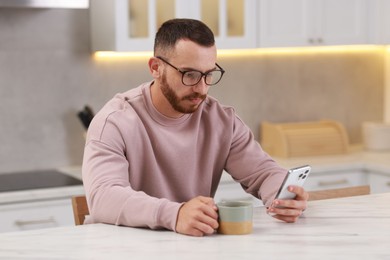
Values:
[(379, 183), (36, 215), (334, 180)]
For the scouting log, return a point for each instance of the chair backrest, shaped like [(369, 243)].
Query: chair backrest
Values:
[(80, 209), (338, 193)]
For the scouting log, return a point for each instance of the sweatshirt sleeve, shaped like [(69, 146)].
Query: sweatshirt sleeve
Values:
[(253, 168), (112, 200)]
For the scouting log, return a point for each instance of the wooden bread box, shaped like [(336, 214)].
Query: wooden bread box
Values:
[(325, 137)]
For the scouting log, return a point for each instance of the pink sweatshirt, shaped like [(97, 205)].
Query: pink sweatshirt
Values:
[(140, 166)]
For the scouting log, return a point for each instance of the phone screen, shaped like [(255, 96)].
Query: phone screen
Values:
[(296, 176)]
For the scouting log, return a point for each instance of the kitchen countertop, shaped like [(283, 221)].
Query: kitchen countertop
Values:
[(45, 193), (344, 228)]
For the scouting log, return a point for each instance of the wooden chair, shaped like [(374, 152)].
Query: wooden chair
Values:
[(338, 193), (80, 209)]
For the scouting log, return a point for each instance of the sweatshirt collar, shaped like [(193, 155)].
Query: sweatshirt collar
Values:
[(156, 115)]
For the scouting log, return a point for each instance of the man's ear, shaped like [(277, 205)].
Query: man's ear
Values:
[(154, 67)]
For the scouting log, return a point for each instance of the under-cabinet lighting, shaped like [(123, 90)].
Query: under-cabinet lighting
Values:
[(111, 55), (120, 55), (301, 50)]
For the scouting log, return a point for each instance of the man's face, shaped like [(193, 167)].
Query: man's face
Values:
[(187, 56), (185, 103)]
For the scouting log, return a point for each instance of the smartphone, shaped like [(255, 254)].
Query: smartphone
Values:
[(295, 176)]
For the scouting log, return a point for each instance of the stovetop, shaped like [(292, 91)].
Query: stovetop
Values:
[(28, 180)]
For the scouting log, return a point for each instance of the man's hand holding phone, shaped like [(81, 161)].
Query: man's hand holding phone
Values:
[(289, 210), (291, 199)]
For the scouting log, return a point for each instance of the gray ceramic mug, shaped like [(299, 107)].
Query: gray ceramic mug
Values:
[(235, 217)]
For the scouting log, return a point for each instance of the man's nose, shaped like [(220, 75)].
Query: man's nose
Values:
[(201, 88)]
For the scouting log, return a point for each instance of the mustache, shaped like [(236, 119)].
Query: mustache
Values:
[(195, 95)]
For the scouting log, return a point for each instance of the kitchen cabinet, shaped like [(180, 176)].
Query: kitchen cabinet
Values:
[(228, 189), (385, 32), (379, 181), (130, 25), (335, 179), (380, 21), (32, 204), (36, 215), (285, 23)]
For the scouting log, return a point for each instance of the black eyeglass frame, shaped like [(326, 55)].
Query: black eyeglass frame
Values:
[(204, 75)]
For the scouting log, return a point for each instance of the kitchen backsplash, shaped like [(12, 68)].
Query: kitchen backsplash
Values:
[(47, 74)]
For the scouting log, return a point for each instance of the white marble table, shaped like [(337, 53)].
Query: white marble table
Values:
[(347, 228)]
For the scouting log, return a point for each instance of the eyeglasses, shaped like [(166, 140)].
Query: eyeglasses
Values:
[(193, 77)]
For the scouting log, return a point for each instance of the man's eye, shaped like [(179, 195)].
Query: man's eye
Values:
[(192, 74), (210, 74)]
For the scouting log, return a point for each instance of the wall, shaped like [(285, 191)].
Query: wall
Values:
[(47, 74), (347, 87), (386, 116)]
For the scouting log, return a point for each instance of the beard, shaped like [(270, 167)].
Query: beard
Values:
[(175, 100)]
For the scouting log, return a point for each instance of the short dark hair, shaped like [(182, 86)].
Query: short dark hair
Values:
[(174, 30)]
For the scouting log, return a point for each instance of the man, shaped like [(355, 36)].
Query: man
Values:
[(155, 154)]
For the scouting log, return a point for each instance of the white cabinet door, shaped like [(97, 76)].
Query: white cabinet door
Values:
[(130, 25), (342, 22), (380, 21), (126, 25), (335, 179), (386, 21), (36, 215), (233, 22), (285, 23), (379, 182)]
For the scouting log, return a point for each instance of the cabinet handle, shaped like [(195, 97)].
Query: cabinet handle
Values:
[(21, 223), (336, 182), (311, 40), (319, 40), (388, 183)]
